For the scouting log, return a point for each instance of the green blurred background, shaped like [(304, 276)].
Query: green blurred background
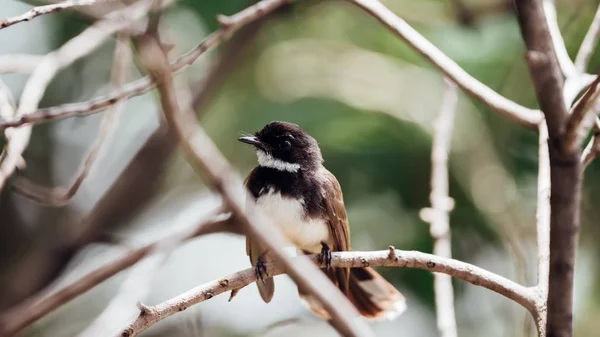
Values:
[(369, 100)]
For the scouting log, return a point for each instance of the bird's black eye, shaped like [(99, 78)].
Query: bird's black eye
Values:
[(285, 145)]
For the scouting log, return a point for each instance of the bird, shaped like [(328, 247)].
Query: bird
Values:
[(304, 200)]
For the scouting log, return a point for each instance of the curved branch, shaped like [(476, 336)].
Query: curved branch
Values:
[(39, 305), (504, 106), (527, 297), (48, 9)]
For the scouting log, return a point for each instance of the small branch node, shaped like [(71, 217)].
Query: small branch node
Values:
[(392, 254)]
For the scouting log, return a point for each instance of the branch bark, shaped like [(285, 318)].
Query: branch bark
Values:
[(565, 170), (525, 116), (526, 297)]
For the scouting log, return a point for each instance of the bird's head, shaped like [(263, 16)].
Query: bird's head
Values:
[(285, 147)]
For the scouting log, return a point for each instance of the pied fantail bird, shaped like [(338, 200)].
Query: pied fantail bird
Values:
[(292, 187)]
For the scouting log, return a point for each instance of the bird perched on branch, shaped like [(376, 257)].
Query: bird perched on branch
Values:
[(292, 187)]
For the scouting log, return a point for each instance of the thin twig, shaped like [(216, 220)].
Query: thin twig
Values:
[(48, 9), (582, 117), (36, 307), (407, 259), (564, 61), (586, 50), (205, 157), (145, 84), (60, 196), (72, 50), (441, 205), (543, 228), (525, 116)]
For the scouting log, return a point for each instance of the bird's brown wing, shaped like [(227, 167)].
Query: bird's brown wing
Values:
[(338, 227), (255, 250)]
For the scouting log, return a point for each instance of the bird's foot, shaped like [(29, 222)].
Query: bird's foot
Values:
[(325, 256), (261, 269)]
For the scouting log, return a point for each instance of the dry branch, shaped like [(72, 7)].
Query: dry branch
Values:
[(441, 205), (543, 228), (495, 101), (48, 9), (408, 259), (60, 196), (589, 44), (36, 307), (77, 47), (582, 117)]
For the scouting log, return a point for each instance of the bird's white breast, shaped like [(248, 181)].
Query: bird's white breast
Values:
[(289, 215)]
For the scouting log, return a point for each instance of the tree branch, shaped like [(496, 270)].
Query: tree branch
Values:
[(408, 259), (48, 9), (60, 196), (582, 117), (72, 50), (19, 63), (38, 306), (589, 44), (145, 84), (205, 157), (525, 116), (565, 170), (441, 205), (543, 228)]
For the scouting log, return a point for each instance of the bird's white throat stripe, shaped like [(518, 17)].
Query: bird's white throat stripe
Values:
[(267, 160)]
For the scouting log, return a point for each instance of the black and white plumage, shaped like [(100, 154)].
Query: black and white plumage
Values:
[(293, 188)]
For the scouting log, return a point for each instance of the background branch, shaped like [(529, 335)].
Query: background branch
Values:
[(525, 116), (441, 205), (60, 196), (48, 9), (590, 41), (36, 307)]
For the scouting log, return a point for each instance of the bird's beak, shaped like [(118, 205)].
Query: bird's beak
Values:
[(252, 141)]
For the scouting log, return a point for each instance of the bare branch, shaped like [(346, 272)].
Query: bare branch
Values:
[(408, 259), (48, 9), (543, 65), (204, 156), (60, 196), (441, 205), (565, 168), (39, 305), (19, 63), (72, 50), (495, 101), (543, 227), (582, 117), (145, 84), (589, 44), (564, 61)]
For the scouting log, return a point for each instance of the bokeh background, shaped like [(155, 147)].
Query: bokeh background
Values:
[(366, 97)]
